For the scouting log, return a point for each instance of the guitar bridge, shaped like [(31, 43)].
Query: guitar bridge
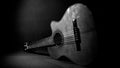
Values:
[(76, 35)]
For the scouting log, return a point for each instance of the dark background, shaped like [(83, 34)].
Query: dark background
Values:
[(13, 36)]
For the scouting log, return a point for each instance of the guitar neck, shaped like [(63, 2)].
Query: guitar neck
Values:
[(47, 42)]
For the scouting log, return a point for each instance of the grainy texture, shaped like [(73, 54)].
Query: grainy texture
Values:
[(27, 60), (84, 20)]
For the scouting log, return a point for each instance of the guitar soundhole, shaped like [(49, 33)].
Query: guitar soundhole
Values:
[(58, 39), (77, 35)]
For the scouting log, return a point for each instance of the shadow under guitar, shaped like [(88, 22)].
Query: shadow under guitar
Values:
[(44, 51)]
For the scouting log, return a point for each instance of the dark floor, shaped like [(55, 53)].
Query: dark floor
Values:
[(26, 60)]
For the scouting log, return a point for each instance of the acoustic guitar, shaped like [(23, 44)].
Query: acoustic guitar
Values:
[(74, 36)]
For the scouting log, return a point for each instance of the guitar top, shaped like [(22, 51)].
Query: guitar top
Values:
[(74, 36)]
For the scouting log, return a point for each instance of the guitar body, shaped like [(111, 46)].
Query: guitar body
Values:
[(73, 36)]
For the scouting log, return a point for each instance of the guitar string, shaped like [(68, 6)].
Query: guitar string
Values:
[(65, 43), (70, 42), (67, 40)]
